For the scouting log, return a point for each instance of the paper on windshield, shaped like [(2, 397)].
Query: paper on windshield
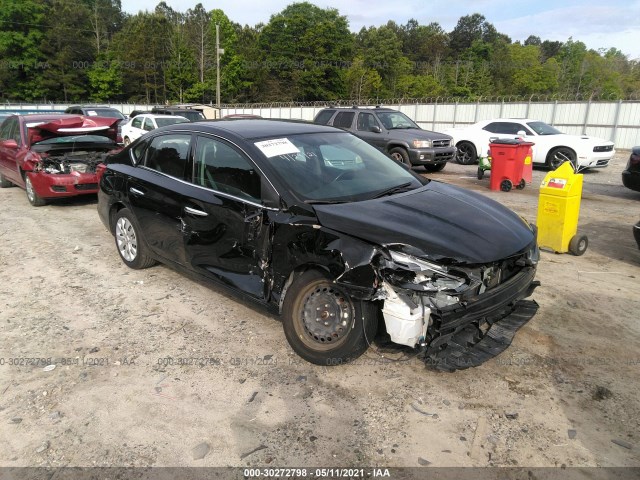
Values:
[(277, 146)]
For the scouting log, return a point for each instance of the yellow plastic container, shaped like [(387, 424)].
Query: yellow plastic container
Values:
[(558, 211)]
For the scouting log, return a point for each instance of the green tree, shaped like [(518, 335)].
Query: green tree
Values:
[(68, 50), (304, 49), (22, 63), (362, 82)]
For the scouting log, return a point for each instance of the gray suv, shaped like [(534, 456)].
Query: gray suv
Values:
[(394, 133)]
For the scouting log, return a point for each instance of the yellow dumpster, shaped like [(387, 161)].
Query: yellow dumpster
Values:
[(558, 211)]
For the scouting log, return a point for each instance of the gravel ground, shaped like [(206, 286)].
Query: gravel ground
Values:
[(156, 369)]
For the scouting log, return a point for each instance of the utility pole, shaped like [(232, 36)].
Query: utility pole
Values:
[(218, 52)]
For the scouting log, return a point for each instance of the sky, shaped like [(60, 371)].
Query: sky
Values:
[(598, 24)]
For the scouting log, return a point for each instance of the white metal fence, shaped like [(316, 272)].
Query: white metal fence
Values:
[(618, 121)]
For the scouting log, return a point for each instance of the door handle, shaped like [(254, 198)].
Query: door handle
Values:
[(194, 211), (135, 191)]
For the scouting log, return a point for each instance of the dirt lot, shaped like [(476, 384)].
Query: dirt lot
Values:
[(566, 392)]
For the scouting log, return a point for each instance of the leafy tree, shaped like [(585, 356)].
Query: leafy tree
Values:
[(21, 60), (304, 48), (68, 50)]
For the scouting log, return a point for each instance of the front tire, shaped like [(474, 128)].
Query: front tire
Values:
[(434, 167), (558, 156), (466, 154), (32, 196), (400, 155), (323, 324), (131, 247)]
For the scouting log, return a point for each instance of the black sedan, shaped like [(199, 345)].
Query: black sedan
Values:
[(329, 232), (631, 174)]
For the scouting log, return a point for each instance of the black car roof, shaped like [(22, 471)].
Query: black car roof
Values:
[(256, 128)]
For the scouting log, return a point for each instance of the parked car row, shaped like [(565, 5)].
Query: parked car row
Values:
[(551, 147)]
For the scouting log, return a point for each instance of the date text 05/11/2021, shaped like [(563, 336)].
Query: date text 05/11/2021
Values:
[(316, 473)]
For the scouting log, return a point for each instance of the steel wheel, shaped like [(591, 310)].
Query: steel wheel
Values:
[(32, 196), (323, 324)]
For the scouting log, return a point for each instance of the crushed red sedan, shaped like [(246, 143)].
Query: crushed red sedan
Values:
[(54, 155)]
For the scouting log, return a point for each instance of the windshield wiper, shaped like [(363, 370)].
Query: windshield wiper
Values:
[(323, 202), (397, 189)]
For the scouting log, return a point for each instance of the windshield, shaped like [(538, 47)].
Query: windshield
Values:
[(542, 128), (170, 121), (396, 120), (104, 112), (76, 139), (335, 167)]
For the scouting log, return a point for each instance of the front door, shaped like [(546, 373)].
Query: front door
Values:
[(225, 225)]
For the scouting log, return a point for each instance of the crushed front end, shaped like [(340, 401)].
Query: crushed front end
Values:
[(459, 315)]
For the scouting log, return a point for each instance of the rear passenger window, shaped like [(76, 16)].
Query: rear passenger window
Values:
[(137, 122), (343, 120), (168, 154), (324, 116)]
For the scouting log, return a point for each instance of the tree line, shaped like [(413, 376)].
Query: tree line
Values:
[(90, 50)]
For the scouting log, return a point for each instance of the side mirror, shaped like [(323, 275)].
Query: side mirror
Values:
[(376, 129), (521, 133), (10, 143)]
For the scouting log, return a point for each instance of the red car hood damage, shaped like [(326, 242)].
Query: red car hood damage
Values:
[(76, 125)]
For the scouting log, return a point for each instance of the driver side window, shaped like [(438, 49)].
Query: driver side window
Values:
[(219, 166)]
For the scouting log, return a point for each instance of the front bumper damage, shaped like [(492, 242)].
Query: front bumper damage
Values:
[(454, 325)]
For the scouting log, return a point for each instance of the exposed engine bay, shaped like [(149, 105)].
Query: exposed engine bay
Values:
[(81, 162)]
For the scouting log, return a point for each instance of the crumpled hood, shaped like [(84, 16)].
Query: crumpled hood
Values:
[(437, 222), (73, 125)]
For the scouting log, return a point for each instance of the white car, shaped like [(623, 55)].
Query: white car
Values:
[(141, 124), (552, 147)]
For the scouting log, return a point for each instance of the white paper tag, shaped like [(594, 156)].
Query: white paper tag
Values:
[(92, 113), (277, 146)]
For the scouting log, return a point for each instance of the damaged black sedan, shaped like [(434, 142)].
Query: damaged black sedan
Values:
[(328, 231)]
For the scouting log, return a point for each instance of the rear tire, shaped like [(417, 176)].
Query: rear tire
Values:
[(466, 154), (400, 155), (323, 324), (131, 246), (4, 183)]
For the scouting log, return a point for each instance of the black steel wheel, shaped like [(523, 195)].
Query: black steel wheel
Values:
[(323, 324), (466, 154)]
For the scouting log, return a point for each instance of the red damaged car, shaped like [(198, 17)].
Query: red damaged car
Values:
[(54, 155)]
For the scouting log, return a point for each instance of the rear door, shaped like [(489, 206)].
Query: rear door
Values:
[(156, 194)]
